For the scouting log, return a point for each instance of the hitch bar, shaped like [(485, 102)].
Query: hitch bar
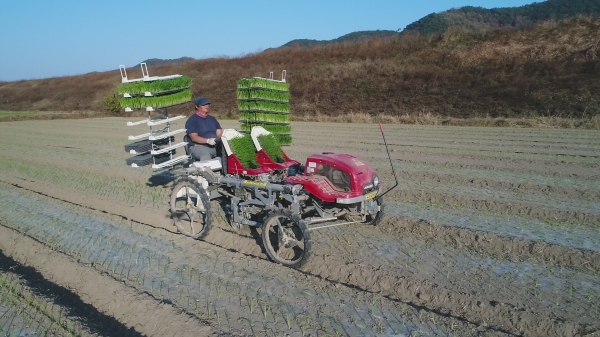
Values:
[(333, 225)]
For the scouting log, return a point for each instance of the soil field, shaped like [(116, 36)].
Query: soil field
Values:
[(490, 232)]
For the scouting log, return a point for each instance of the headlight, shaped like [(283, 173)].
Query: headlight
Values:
[(376, 181)]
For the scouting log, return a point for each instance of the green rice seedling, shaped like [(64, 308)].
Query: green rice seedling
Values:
[(247, 116), (136, 88), (251, 323), (227, 318), (157, 101), (244, 149), (300, 318), (254, 105), (160, 289), (265, 308), (191, 274), (263, 95), (180, 272), (262, 118), (284, 139), (218, 316), (277, 129), (273, 117), (257, 82), (138, 255), (270, 143)]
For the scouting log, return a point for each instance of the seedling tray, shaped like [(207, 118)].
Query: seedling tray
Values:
[(146, 159), (146, 145)]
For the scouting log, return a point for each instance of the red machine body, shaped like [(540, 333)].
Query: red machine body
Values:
[(234, 166), (265, 161), (337, 177)]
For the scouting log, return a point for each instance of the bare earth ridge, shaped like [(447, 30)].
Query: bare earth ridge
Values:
[(491, 232)]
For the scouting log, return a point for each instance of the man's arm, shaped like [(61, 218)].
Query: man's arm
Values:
[(219, 133), (199, 140)]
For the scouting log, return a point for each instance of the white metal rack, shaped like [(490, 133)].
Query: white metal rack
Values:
[(156, 146), (145, 135), (145, 76), (161, 134), (166, 135), (166, 120)]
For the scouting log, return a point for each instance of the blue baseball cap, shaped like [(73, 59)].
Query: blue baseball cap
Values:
[(200, 101)]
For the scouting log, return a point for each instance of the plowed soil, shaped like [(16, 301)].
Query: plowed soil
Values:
[(490, 232)]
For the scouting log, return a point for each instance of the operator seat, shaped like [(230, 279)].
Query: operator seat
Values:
[(186, 139), (221, 166)]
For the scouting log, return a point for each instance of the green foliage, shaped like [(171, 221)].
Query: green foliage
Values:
[(137, 88), (476, 18), (111, 102), (263, 106), (352, 37), (161, 62), (270, 143), (157, 101), (260, 117), (273, 128), (257, 82), (243, 147), (284, 139), (264, 102), (430, 24), (263, 94)]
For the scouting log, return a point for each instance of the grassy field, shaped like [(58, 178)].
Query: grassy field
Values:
[(37, 115), (491, 232)]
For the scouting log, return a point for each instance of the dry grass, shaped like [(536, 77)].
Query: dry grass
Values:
[(551, 69), (431, 119)]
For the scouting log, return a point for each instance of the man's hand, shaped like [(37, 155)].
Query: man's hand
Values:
[(211, 141)]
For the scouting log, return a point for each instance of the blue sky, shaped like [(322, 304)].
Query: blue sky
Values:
[(41, 38)]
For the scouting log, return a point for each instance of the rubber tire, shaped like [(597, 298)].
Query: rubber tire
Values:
[(295, 263), (377, 219), (180, 215)]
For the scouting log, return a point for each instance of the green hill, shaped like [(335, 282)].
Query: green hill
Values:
[(477, 18), (160, 62), (356, 36)]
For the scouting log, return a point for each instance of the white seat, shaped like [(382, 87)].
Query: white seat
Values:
[(213, 164)]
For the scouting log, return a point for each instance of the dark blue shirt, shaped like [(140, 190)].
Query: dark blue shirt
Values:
[(204, 127)]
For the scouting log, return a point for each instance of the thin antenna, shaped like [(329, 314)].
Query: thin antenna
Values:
[(391, 164)]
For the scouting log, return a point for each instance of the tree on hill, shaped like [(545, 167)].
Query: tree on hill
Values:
[(159, 62), (474, 18), (352, 37)]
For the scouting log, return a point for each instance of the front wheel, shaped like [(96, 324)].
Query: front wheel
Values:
[(190, 208), (287, 241)]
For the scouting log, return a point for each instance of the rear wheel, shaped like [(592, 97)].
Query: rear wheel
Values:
[(190, 208), (287, 241), (374, 220)]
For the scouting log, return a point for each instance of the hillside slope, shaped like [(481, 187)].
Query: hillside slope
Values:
[(352, 37), (549, 69), (477, 18)]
